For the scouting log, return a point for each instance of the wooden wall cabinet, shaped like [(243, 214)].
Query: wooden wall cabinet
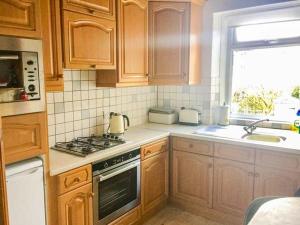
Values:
[(24, 136), (76, 207), (193, 178), (132, 41), (155, 182), (20, 18), (89, 41), (174, 42), (52, 45), (99, 8)]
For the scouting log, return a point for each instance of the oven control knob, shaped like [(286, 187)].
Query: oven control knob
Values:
[(105, 165), (130, 156), (31, 87)]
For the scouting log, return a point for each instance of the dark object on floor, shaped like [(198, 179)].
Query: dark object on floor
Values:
[(255, 205)]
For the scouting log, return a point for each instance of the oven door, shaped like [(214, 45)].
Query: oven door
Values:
[(116, 192)]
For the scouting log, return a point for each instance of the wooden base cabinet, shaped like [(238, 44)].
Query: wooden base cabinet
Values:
[(155, 177), (275, 182), (130, 218), (174, 42), (233, 186), (76, 207), (3, 195), (193, 178), (20, 18)]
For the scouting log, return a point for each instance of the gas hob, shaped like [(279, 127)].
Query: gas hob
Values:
[(83, 146)]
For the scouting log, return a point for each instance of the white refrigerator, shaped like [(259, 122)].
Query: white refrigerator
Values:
[(25, 193)]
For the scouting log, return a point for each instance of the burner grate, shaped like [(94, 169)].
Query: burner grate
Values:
[(83, 146)]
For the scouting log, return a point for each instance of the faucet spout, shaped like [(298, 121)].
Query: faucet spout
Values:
[(252, 126)]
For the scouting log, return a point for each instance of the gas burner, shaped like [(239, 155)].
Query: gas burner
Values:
[(83, 146)]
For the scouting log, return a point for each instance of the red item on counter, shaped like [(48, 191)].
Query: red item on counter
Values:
[(23, 96)]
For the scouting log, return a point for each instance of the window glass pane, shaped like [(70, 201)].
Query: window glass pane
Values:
[(266, 82), (269, 31)]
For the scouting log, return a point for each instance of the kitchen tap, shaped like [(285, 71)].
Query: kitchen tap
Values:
[(252, 126)]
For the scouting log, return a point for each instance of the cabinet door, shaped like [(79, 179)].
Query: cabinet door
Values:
[(24, 136), (193, 178), (275, 182), (233, 186), (132, 41), (52, 45), (76, 207), (89, 42), (3, 196), (155, 176), (168, 42), (101, 8), (20, 18)]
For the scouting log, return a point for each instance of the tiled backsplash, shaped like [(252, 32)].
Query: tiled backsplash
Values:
[(201, 97), (83, 109)]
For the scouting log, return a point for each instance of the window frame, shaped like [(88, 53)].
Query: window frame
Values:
[(234, 45), (223, 44)]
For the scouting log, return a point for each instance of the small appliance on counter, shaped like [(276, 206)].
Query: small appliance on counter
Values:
[(223, 115), (163, 116), (117, 124), (189, 117)]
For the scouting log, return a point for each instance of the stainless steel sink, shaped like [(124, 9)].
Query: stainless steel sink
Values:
[(264, 138)]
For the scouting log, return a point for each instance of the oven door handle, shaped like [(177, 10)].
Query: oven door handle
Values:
[(118, 171)]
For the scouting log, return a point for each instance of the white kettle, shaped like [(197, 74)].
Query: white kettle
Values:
[(117, 123)]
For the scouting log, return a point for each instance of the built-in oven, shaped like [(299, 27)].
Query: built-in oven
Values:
[(21, 76), (116, 184)]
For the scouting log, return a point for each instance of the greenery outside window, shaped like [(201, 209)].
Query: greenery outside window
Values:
[(263, 70)]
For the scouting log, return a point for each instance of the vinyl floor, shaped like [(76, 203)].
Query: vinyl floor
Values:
[(175, 216)]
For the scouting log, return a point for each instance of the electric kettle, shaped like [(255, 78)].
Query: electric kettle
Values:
[(117, 123)]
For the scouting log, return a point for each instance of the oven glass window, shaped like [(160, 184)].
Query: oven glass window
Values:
[(10, 69), (117, 192)]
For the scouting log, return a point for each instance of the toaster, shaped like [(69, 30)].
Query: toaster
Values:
[(163, 116), (189, 117)]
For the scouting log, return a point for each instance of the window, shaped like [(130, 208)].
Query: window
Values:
[(263, 70)]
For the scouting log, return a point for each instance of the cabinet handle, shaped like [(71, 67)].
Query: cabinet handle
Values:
[(191, 145), (251, 174), (148, 152), (76, 180), (91, 194), (91, 11), (93, 66)]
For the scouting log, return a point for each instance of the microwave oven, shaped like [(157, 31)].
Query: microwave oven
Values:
[(21, 76)]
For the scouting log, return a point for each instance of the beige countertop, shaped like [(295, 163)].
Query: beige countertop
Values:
[(136, 136)]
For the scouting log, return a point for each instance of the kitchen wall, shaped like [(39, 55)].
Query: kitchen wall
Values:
[(83, 109), (205, 96)]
